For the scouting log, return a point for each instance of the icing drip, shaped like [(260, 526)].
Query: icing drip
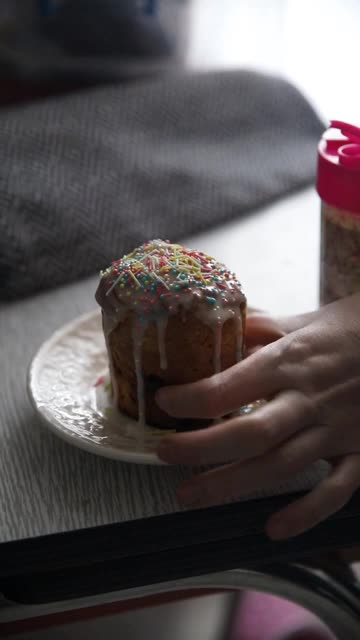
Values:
[(217, 347), (158, 280), (239, 336), (107, 328), (138, 331), (161, 323)]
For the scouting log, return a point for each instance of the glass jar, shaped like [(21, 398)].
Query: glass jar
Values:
[(338, 184)]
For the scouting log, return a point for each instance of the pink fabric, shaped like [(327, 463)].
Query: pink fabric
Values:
[(263, 616)]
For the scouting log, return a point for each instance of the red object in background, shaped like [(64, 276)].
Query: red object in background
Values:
[(338, 176)]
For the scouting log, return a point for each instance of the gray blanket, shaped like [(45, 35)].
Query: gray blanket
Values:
[(86, 177)]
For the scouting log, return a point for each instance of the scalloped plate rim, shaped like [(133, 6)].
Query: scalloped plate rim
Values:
[(55, 425)]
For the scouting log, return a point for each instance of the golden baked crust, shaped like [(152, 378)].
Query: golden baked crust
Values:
[(190, 356)]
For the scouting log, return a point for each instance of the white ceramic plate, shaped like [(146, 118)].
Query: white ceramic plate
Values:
[(68, 386)]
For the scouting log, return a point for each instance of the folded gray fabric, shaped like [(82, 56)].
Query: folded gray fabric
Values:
[(86, 177)]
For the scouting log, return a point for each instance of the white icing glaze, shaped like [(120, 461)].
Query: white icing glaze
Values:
[(217, 330), (239, 337), (138, 331), (161, 324), (108, 326)]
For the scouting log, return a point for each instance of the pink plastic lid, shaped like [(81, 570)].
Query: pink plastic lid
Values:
[(338, 172)]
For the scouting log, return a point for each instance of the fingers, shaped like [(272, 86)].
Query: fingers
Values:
[(261, 330), (242, 437), (328, 497), (277, 466), (254, 378), (293, 323)]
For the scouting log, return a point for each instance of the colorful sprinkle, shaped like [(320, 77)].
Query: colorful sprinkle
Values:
[(153, 276), (99, 381)]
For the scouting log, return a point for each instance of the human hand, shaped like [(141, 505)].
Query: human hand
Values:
[(311, 379)]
